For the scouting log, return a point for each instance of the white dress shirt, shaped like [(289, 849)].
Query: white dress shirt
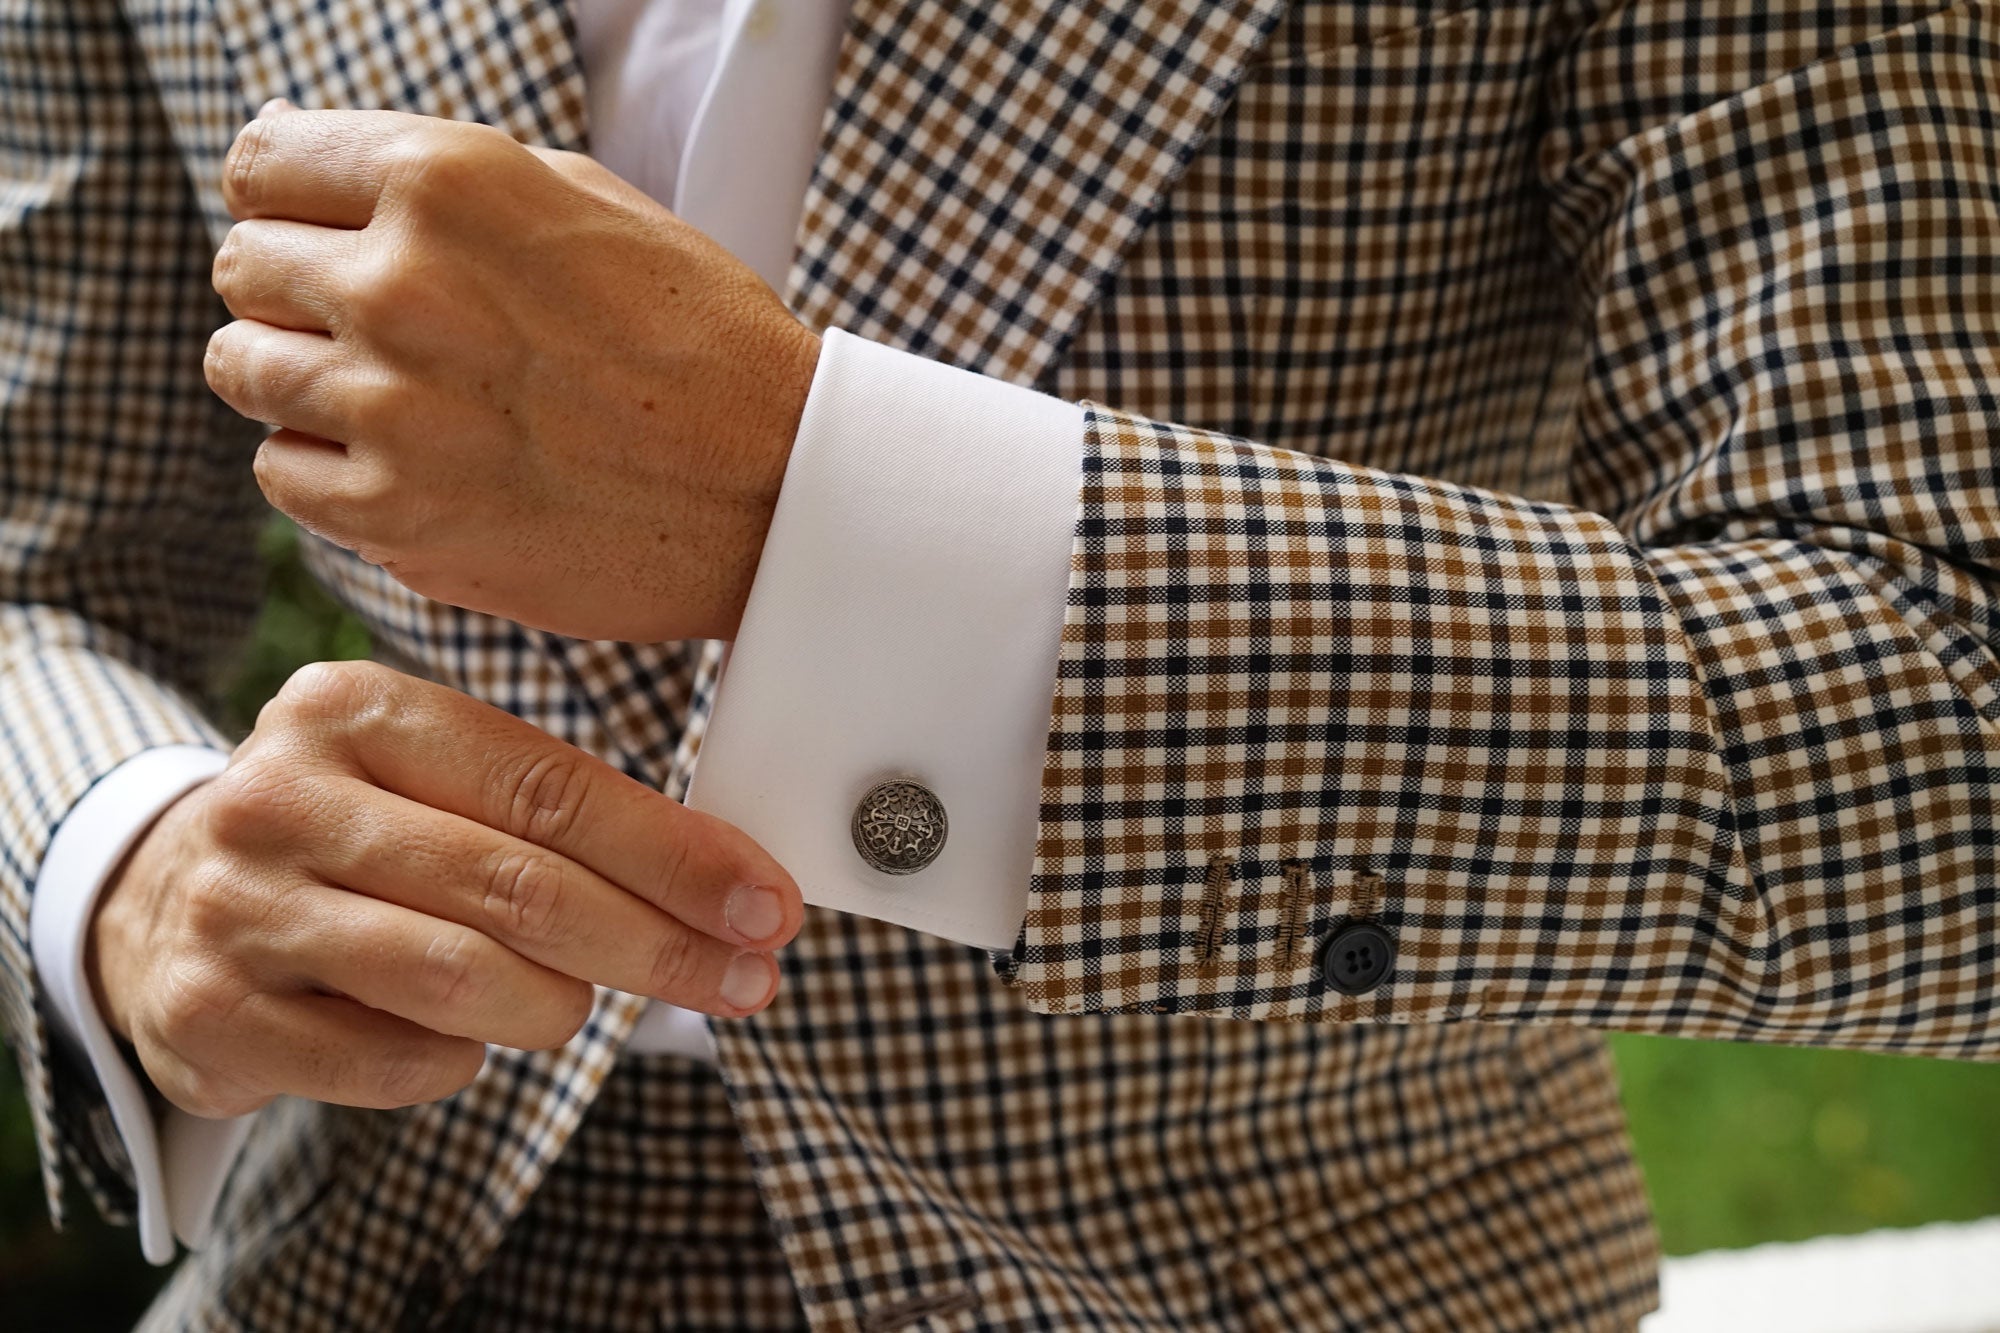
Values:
[(905, 617)]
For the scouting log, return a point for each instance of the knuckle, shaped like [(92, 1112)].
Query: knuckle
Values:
[(427, 167), (380, 294), (241, 179), (442, 166), (246, 372), (676, 855), (378, 494), (333, 707), (449, 975), (408, 162), (377, 844), (562, 161), (547, 797), (331, 689), (244, 805), (580, 171), (475, 147), (673, 967), (405, 1078), (228, 264), (411, 161), (273, 481), (222, 363), (210, 901), (377, 412), (524, 895), (196, 1006)]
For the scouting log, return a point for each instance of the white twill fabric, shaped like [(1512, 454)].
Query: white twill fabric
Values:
[(1606, 609)]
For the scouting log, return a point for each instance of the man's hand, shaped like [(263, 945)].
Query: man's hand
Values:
[(504, 375), (390, 873)]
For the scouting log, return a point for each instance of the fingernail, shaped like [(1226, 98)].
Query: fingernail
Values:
[(747, 981), (273, 107), (755, 913)]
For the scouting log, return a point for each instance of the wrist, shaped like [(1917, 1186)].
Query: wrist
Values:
[(122, 921), (789, 379), (792, 368)]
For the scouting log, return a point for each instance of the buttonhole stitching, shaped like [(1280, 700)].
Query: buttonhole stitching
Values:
[(905, 1313), (1367, 896), (1208, 930), (1296, 911)]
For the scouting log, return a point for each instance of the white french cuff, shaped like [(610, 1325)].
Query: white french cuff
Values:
[(905, 623), (180, 1163)]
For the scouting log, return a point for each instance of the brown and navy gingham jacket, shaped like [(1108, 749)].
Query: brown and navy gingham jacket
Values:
[(1578, 554)]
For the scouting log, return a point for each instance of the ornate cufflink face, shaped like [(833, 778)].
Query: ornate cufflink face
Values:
[(899, 827)]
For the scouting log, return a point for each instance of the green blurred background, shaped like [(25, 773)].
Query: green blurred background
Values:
[(1740, 1144)]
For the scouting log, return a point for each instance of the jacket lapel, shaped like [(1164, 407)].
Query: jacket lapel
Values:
[(985, 166), (510, 63)]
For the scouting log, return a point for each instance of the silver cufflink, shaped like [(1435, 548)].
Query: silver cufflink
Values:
[(899, 827)]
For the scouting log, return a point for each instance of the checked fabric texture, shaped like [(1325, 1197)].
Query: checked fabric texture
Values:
[(1606, 606), (636, 1229), (1703, 737)]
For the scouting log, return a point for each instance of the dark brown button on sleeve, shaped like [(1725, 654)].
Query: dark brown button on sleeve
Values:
[(1356, 958)]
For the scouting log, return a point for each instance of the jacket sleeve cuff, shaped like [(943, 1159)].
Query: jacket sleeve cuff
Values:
[(904, 623), (177, 1162)]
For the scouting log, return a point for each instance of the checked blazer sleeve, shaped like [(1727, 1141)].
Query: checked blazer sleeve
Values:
[(127, 557), (1713, 750)]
